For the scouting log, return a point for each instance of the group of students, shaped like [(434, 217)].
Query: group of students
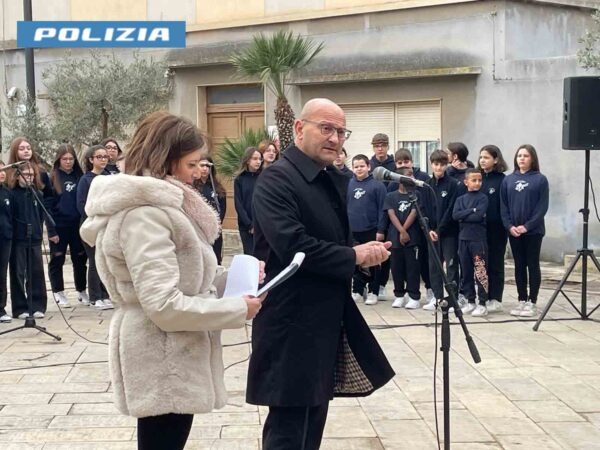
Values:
[(470, 214)]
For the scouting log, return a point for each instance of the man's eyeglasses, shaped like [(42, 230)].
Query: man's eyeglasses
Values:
[(100, 156), (327, 130)]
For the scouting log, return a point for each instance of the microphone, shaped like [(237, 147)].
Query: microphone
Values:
[(13, 165), (382, 174)]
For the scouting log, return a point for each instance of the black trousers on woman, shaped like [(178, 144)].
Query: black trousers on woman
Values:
[(96, 289), (19, 281), (496, 243), (167, 431), (68, 237), (526, 253), (5, 246), (294, 427)]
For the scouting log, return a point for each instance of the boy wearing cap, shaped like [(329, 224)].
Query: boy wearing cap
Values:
[(381, 158)]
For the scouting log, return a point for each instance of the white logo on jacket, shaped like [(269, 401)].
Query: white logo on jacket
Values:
[(358, 193), (70, 186), (444, 194), (491, 191), (403, 206), (521, 185)]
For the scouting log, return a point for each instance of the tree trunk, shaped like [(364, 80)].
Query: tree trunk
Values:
[(284, 117)]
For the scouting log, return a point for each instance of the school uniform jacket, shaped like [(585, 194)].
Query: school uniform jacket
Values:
[(306, 321)]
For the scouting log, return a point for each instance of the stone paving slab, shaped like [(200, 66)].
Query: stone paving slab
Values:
[(532, 391)]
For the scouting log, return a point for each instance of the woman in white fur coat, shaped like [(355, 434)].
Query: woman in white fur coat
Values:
[(153, 234)]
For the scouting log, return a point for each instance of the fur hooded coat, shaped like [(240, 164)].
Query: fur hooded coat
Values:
[(153, 253)]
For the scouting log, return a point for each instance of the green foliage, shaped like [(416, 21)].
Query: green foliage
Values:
[(79, 88), (272, 58), (231, 151), (23, 120), (589, 55)]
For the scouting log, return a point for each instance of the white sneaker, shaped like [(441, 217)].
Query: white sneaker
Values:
[(23, 316), (100, 305), (413, 304), (399, 302), (469, 307), (108, 303), (371, 299), (83, 298), (61, 299), (430, 296), (479, 311), (529, 310), (39, 315), (357, 297), (518, 310), (431, 306), (462, 301), (382, 295), (5, 318), (494, 306)]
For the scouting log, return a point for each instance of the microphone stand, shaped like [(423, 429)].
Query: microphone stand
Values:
[(30, 320), (447, 303)]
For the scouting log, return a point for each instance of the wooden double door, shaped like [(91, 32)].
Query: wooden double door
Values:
[(230, 121)]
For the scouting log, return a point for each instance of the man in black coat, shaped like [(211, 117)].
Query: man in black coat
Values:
[(310, 342)]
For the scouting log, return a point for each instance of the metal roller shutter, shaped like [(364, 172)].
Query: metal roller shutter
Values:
[(365, 121)]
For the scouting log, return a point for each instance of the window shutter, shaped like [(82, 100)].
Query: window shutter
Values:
[(365, 121)]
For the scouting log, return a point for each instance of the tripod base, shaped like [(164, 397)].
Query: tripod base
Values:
[(30, 323), (583, 314)]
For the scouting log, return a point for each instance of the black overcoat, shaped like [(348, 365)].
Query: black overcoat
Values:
[(309, 341)]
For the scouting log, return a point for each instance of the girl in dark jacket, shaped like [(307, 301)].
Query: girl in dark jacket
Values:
[(493, 166), (6, 232), (95, 158), (114, 151), (213, 191), (524, 198), (243, 190), (64, 178)]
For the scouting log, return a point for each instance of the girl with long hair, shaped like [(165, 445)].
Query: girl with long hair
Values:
[(64, 178), (6, 234), (492, 167), (209, 185), (153, 235), (524, 198), (269, 153), (95, 160), (243, 190)]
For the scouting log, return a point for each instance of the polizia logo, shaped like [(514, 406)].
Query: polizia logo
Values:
[(51, 34)]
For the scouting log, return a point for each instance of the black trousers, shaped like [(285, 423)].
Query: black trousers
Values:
[(496, 242), (447, 248), (384, 272), (473, 256), (526, 253), (424, 262), (218, 249), (247, 242), (406, 266), (5, 247), (68, 237), (168, 431), (294, 428), (358, 283), (19, 281), (96, 289)]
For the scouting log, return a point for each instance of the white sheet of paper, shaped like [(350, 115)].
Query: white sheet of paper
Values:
[(242, 277)]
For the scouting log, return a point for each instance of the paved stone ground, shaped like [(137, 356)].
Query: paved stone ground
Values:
[(532, 391)]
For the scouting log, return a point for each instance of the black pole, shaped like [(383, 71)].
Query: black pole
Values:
[(29, 62), (585, 211)]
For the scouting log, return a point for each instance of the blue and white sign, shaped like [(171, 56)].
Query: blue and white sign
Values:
[(53, 34)]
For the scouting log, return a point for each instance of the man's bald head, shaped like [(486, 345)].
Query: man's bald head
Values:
[(318, 106)]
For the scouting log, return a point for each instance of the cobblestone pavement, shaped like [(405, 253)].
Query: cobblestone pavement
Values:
[(532, 391)]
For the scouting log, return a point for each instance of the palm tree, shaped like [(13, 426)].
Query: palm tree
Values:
[(231, 151), (272, 58)]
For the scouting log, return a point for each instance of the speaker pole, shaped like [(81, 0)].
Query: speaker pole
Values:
[(583, 253)]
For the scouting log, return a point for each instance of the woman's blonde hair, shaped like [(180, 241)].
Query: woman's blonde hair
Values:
[(161, 140)]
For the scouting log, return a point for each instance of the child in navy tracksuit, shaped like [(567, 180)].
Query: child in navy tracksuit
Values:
[(470, 210), (364, 201), (6, 233), (405, 235), (524, 198), (444, 229), (492, 166)]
